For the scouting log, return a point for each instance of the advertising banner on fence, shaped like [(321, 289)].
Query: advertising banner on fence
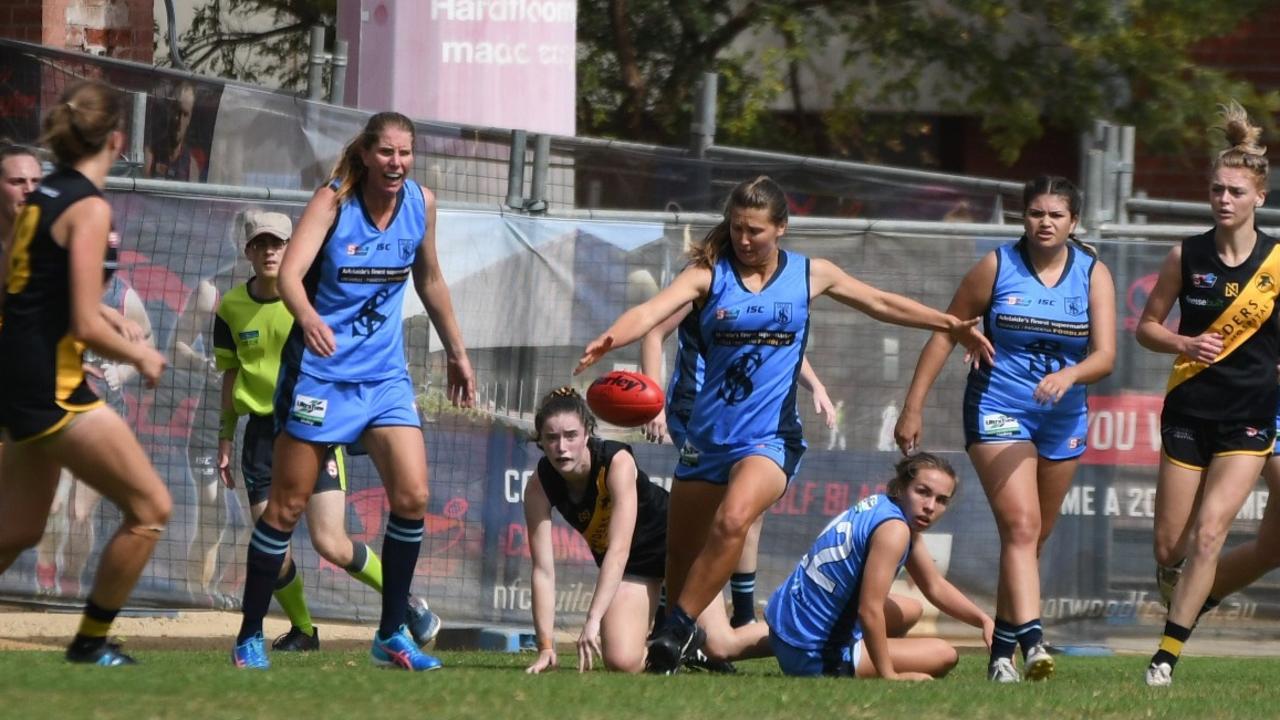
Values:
[(529, 294)]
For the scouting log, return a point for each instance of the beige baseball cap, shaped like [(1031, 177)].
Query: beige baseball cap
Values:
[(260, 222)]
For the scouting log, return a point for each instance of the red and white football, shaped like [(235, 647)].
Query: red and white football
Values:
[(625, 398)]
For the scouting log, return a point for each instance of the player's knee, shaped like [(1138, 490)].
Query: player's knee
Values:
[(332, 546), (733, 522), (1022, 529), (910, 610), (152, 511), (409, 502), (284, 511), (947, 659), (1206, 542), (624, 660), (1166, 551)]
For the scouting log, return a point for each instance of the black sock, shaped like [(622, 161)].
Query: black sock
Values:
[(1004, 641), (1029, 634), (267, 548), (400, 549), (1175, 636), (94, 626), (742, 586), (289, 575)]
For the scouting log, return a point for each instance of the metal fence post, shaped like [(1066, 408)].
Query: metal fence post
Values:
[(138, 130), (541, 163), (1124, 173), (315, 64), (1094, 177), (702, 135), (338, 80), (515, 170), (702, 131)]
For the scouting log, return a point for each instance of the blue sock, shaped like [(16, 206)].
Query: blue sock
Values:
[(1029, 634), (1004, 641), (400, 549), (267, 548)]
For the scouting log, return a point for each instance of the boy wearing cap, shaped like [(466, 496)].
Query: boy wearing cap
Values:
[(250, 329)]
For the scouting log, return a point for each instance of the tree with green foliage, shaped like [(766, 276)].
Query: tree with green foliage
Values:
[(254, 41), (1020, 66)]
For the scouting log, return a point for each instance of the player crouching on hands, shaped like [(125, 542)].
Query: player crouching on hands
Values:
[(836, 603), (597, 488)]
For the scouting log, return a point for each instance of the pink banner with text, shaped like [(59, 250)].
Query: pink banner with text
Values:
[(492, 63)]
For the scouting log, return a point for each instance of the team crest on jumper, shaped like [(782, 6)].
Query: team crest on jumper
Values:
[(1204, 280), (406, 250), (782, 312), (1074, 305), (1265, 282)]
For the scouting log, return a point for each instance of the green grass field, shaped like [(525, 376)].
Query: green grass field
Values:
[(194, 685)]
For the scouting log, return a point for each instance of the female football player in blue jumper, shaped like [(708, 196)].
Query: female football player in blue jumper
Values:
[(744, 439), (834, 614), (1048, 304), (670, 423), (343, 374)]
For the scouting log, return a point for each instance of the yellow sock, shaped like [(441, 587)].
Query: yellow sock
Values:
[(294, 602)]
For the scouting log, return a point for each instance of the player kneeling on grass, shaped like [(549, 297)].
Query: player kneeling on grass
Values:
[(835, 616), (597, 487)]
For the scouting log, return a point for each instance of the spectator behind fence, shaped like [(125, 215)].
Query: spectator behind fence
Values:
[(172, 153)]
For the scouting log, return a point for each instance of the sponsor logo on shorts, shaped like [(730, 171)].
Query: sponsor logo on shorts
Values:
[(1253, 432), (689, 455), (1204, 280), (331, 467), (309, 411), (1000, 424), (1075, 443)]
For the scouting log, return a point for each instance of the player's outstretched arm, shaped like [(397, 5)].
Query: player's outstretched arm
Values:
[(690, 285)]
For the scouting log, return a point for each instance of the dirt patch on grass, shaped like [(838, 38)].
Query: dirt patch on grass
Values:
[(44, 629)]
